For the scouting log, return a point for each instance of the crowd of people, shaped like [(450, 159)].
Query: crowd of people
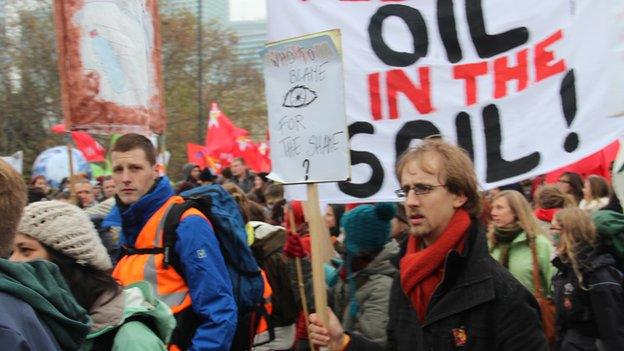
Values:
[(89, 266)]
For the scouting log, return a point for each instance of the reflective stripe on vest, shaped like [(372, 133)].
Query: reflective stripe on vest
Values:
[(169, 286), (268, 304)]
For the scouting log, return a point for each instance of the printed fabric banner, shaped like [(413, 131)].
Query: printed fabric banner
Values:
[(110, 66), (525, 87)]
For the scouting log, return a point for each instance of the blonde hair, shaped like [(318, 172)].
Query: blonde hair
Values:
[(551, 196), (522, 211), (456, 170), (577, 231)]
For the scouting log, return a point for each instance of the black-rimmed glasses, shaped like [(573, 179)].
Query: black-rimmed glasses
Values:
[(418, 189)]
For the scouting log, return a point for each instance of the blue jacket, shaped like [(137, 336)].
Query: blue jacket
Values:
[(203, 267)]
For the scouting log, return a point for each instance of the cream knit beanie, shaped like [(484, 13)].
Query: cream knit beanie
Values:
[(66, 229)]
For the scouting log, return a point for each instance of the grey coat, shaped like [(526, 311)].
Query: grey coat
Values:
[(373, 284)]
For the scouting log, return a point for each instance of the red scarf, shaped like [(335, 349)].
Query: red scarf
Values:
[(423, 269), (545, 214)]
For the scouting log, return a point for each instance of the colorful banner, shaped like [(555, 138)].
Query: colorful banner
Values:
[(525, 87), (110, 66)]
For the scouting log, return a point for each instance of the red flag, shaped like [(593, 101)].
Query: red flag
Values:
[(221, 133), (200, 156), (90, 148), (597, 163), (195, 154), (248, 150), (264, 157), (58, 128)]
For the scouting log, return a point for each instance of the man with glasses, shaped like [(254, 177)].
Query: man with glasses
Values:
[(449, 293)]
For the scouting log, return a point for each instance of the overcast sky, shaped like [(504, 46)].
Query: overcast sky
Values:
[(247, 10)]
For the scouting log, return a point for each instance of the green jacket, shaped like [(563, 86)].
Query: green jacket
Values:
[(521, 261), (121, 318), (40, 285), (372, 296)]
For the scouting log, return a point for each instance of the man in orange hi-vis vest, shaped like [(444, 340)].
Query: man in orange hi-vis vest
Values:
[(198, 290)]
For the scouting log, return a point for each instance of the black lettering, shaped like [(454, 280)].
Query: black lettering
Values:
[(372, 186), (410, 131), (417, 27), (464, 133), (448, 30), (498, 168), (489, 45)]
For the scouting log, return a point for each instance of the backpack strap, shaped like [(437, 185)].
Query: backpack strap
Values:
[(172, 220)]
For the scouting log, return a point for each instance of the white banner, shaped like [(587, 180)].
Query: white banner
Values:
[(306, 104), (16, 161), (525, 86)]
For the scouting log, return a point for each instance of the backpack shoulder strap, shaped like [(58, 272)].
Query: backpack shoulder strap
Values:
[(170, 236)]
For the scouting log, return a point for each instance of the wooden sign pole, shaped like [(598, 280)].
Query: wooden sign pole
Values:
[(300, 283), (317, 236)]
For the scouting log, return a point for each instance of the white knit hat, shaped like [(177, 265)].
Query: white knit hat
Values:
[(66, 229)]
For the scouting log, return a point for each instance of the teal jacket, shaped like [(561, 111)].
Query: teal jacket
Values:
[(121, 318), (521, 261), (41, 288)]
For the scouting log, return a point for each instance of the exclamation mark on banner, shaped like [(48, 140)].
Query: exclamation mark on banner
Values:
[(568, 104)]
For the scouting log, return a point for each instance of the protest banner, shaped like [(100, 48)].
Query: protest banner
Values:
[(525, 87), (110, 66), (304, 86)]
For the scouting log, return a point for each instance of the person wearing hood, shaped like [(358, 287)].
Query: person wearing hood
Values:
[(121, 318), (588, 292), (196, 285), (37, 311), (190, 173), (359, 292)]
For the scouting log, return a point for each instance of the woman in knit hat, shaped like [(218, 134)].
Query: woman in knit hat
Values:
[(361, 296), (63, 234)]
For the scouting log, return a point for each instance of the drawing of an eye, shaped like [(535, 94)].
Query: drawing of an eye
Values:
[(299, 96)]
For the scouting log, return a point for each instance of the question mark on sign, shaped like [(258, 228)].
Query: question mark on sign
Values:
[(306, 164)]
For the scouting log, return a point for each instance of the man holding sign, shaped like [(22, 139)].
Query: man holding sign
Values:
[(450, 294)]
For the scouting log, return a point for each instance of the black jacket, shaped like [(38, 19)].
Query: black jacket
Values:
[(478, 306), (594, 311)]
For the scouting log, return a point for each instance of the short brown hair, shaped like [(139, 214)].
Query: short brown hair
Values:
[(12, 202), (457, 170), (133, 141)]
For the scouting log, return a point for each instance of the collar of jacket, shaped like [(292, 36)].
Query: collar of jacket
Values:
[(466, 283), (589, 258), (107, 310), (134, 217)]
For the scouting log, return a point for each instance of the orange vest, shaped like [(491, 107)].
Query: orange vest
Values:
[(169, 286), (263, 324)]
